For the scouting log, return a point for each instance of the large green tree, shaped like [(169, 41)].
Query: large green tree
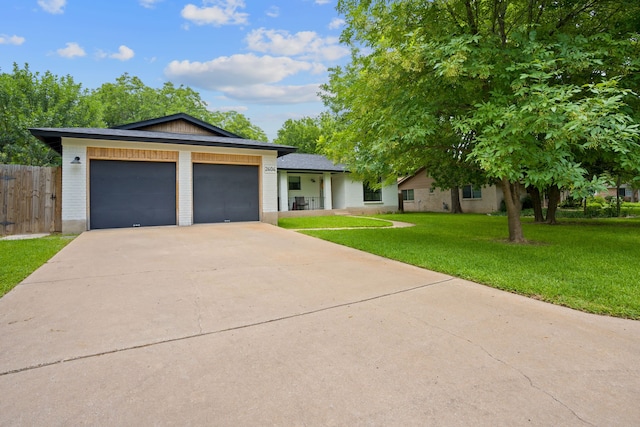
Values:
[(535, 85), (31, 99)]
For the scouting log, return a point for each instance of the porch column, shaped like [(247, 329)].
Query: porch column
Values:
[(284, 192), (326, 179)]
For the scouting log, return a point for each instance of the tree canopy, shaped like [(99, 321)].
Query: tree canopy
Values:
[(31, 99), (305, 133), (129, 100), (523, 90)]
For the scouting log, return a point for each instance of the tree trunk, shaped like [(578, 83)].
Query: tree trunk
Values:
[(512, 202), (618, 197), (554, 199), (456, 207), (537, 203)]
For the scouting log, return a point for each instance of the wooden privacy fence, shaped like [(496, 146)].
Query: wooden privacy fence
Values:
[(30, 199)]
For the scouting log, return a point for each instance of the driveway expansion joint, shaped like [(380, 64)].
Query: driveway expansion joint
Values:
[(220, 331)]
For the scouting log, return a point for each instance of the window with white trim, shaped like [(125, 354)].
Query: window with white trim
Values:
[(407, 195)]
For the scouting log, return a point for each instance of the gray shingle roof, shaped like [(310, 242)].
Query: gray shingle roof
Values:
[(53, 138), (308, 162)]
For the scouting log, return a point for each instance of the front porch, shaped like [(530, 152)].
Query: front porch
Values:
[(304, 191)]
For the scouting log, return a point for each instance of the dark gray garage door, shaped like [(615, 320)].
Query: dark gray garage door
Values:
[(132, 194), (225, 193)]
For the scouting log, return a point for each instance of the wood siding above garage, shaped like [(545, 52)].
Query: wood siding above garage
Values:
[(226, 159), (131, 154)]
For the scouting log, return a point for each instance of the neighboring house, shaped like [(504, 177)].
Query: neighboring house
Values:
[(174, 170), (626, 193), (310, 182), (419, 195)]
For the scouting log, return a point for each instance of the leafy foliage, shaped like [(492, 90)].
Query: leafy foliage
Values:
[(129, 100), (302, 133), (518, 91), (31, 99)]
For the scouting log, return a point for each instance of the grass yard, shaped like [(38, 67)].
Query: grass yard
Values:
[(589, 265), (19, 258), (334, 221)]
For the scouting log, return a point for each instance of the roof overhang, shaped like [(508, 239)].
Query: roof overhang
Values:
[(53, 138)]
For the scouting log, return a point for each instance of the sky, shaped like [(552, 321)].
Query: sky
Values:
[(263, 58)]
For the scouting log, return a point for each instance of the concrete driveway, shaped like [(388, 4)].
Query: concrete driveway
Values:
[(248, 324)]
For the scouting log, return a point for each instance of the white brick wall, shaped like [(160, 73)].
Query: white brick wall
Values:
[(269, 182), (355, 196), (74, 183), (185, 189)]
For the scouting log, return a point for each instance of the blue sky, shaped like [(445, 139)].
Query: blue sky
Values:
[(265, 59)]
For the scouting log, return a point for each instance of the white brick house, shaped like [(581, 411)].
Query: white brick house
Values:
[(174, 170)]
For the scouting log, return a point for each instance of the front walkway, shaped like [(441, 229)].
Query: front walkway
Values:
[(250, 324)]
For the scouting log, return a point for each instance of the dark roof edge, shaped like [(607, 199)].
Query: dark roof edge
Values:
[(183, 116), (53, 138)]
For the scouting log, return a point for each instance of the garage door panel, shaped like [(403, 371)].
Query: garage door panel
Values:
[(225, 193), (126, 194)]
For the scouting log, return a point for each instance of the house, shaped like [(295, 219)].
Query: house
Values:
[(174, 170), (626, 192), (310, 182), (419, 195)]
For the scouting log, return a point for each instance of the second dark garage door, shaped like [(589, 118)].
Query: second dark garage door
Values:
[(225, 193)]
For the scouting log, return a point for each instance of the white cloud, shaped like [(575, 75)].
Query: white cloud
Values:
[(248, 78), (238, 108), (149, 4), (322, 1), (273, 12), (307, 44), (71, 51), (237, 70), (124, 53), (274, 94), (14, 40), (336, 23), (222, 12), (52, 6)]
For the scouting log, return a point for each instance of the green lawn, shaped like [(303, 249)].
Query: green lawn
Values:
[(590, 265), (19, 258), (335, 221)]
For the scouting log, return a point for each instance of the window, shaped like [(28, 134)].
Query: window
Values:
[(624, 192), (371, 195), (294, 183), (468, 192), (407, 195)]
